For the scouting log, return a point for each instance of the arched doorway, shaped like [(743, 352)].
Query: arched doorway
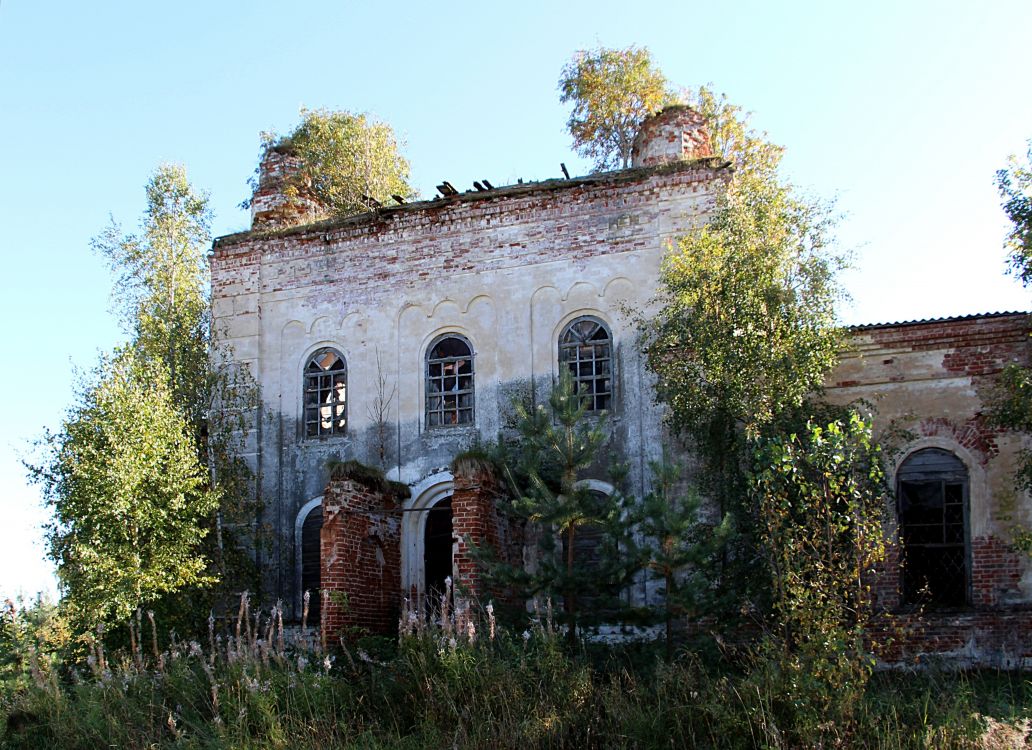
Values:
[(311, 561), (438, 543)]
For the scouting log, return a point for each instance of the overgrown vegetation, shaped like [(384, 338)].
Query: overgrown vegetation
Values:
[(469, 683), (744, 338), (1012, 404), (821, 500), (349, 162), (143, 476), (612, 92), (544, 472)]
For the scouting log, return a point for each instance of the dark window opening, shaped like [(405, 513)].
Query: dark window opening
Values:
[(932, 503), (326, 394), (311, 561), (437, 552), (449, 383), (585, 347)]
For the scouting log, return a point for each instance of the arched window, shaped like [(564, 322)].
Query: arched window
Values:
[(326, 394), (586, 348), (449, 382), (932, 503)]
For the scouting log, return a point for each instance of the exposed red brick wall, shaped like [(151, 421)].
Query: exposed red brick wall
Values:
[(477, 521), (983, 636), (677, 132), (270, 208), (361, 559), (936, 378), (500, 229), (995, 572)]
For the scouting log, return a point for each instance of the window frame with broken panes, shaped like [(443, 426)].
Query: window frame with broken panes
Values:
[(450, 383), (589, 358), (325, 413), (932, 512)]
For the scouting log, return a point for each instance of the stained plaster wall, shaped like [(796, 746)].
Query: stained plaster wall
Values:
[(507, 269)]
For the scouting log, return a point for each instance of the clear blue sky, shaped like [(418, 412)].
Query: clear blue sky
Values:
[(901, 110)]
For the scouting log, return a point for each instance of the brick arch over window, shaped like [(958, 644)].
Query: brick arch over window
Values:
[(325, 394), (586, 349), (933, 513), (449, 382)]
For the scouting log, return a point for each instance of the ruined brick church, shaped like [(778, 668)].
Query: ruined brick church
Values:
[(397, 337)]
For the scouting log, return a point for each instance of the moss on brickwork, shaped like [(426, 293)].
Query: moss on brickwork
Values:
[(473, 461), (369, 477)]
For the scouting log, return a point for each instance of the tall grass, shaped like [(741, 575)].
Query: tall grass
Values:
[(460, 680)]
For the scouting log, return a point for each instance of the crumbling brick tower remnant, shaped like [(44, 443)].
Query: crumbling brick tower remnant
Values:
[(360, 553)]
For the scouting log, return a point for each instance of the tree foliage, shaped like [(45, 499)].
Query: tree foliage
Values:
[(152, 436), (1012, 400), (745, 333), (346, 160), (128, 492), (612, 91), (747, 327), (674, 544), (821, 499), (556, 446), (1015, 185), (33, 636), (731, 136), (161, 278)]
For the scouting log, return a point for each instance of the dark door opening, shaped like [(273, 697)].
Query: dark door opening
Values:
[(437, 552), (310, 562)]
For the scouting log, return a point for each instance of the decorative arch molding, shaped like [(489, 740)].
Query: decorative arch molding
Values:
[(426, 493), (444, 303), (610, 288), (299, 523), (596, 485), (582, 287)]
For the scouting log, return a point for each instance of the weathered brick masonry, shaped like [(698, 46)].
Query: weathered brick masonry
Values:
[(361, 559), (933, 379), (508, 271)]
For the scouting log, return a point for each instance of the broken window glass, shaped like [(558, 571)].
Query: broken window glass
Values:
[(325, 394), (449, 383), (585, 347)]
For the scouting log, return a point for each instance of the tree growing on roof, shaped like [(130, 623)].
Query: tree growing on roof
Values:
[(612, 91), (349, 162)]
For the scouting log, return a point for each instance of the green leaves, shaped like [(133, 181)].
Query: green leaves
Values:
[(128, 492), (613, 91), (567, 518), (1015, 185), (162, 280), (346, 159), (143, 466), (821, 500), (747, 327)]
